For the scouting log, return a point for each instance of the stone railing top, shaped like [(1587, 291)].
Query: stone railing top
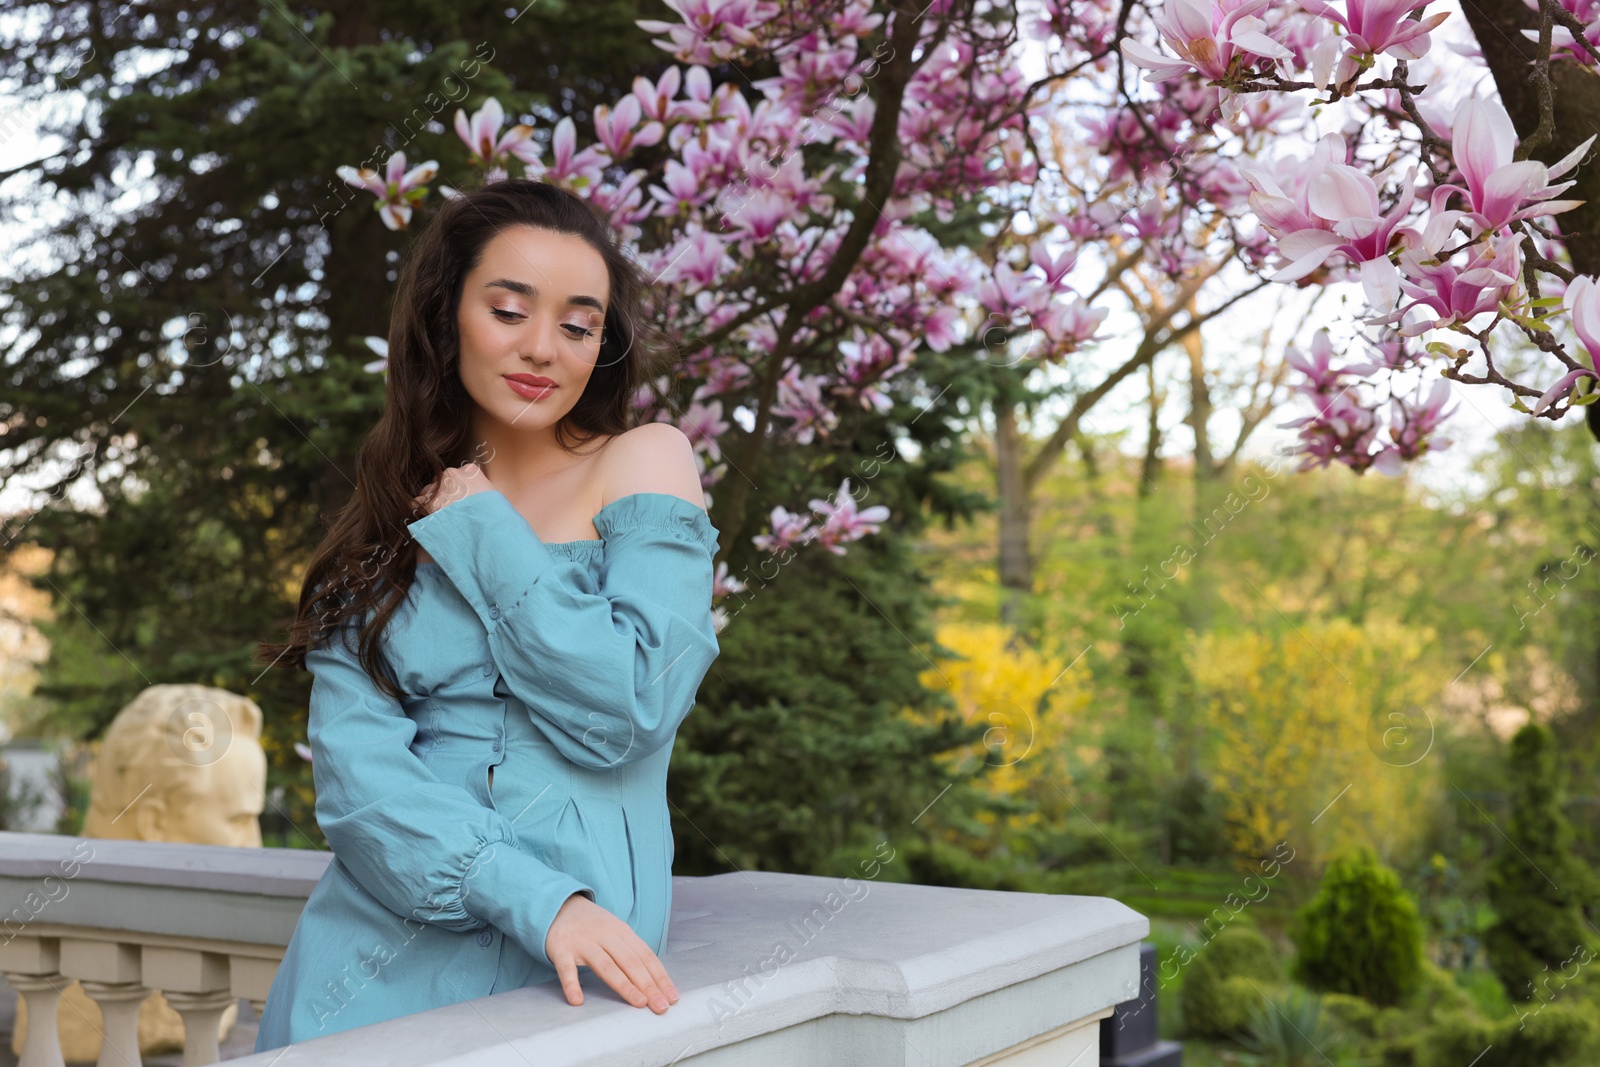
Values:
[(755, 953), (752, 953), (246, 896), (287, 872)]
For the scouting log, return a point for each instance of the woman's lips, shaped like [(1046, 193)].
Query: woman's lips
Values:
[(530, 390)]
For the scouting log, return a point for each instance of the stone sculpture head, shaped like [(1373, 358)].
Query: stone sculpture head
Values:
[(181, 763)]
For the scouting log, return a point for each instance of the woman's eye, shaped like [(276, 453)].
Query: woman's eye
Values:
[(505, 316), (575, 330)]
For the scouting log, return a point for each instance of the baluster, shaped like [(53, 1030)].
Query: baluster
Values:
[(119, 1013), (33, 967), (197, 985), (109, 972)]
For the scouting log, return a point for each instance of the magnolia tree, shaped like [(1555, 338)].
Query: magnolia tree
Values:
[(785, 236), (1454, 234), (788, 238)]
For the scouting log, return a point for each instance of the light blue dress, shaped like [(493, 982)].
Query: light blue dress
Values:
[(568, 668)]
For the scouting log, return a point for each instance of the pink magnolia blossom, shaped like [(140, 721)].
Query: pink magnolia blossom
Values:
[(800, 400), (703, 424), (1056, 266), (658, 100), (699, 257), (789, 530), (842, 522), (1558, 390), (397, 189), (1381, 26), (490, 148), (1582, 301), (1071, 325), (866, 362), (1502, 190), (709, 28), (568, 166), (1413, 427), (1457, 293), (1208, 36), (615, 127), (1009, 291), (1282, 189), (1318, 365), (1342, 216), (1342, 429)]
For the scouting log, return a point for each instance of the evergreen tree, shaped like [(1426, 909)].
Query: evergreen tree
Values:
[(799, 757), (1361, 934), (1537, 885)]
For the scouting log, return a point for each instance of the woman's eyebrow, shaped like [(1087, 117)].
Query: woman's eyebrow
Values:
[(581, 300)]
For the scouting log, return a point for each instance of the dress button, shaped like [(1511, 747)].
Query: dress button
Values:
[(488, 669), (484, 938), (497, 746), (494, 613)]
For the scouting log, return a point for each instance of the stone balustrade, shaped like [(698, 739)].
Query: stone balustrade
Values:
[(776, 969)]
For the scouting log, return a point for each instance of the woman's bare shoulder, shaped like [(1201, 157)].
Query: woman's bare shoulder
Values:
[(656, 457)]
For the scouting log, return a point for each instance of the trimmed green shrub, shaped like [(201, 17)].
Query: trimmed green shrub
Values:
[(1537, 881), (1456, 1039), (1392, 1023), (1561, 1035), (1361, 933), (1228, 976), (1357, 1016)]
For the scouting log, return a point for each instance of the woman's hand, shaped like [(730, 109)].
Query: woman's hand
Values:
[(586, 934), (456, 483)]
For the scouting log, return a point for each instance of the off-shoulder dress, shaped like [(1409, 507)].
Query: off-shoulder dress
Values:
[(566, 667)]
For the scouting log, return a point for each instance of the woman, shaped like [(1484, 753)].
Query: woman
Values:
[(490, 760)]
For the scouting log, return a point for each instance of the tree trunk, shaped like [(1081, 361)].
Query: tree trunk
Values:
[(1016, 561), (1205, 466), (1150, 470)]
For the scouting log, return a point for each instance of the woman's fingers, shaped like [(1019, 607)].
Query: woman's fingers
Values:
[(567, 969), (642, 977), (589, 936), (602, 963), (658, 972)]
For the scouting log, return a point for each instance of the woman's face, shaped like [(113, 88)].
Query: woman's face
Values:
[(530, 323)]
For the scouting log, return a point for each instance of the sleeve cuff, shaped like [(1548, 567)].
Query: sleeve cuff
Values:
[(520, 896), (486, 548)]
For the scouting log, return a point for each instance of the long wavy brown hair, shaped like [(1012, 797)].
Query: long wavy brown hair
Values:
[(367, 561)]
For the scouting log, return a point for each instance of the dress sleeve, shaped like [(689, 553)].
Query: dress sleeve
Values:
[(607, 676), (424, 848)]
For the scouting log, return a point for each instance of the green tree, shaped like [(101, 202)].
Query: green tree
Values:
[(1537, 885), (800, 757), (1361, 934)]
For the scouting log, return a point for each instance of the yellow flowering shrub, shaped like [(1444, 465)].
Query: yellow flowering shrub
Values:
[(1035, 710), (1320, 736)]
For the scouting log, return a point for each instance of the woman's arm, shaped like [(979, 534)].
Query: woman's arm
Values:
[(426, 849), (609, 675)]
